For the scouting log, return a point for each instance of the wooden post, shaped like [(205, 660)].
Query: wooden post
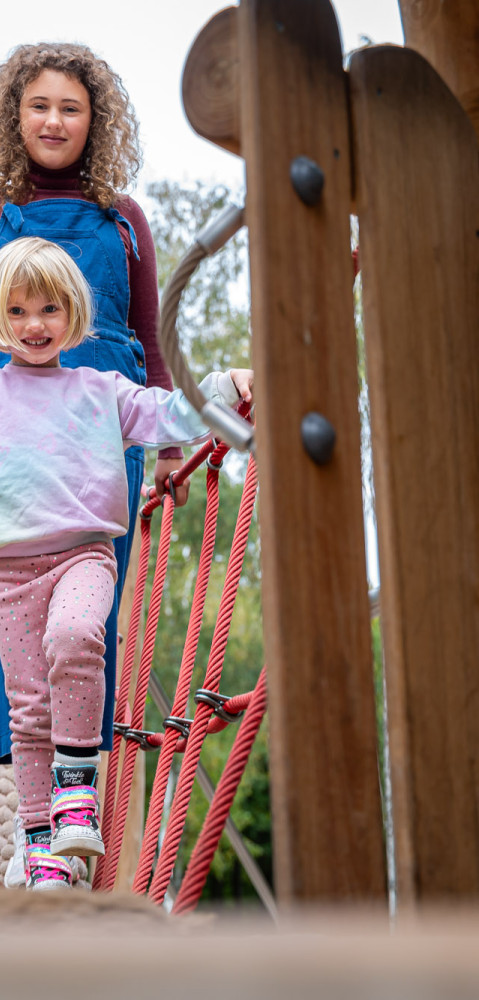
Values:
[(326, 806), (446, 32), (210, 84), (417, 197)]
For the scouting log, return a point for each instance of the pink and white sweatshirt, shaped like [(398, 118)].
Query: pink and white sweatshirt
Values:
[(63, 432)]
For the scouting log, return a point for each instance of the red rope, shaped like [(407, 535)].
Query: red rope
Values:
[(177, 817), (356, 264), (170, 738), (215, 725), (122, 707), (126, 780), (122, 712), (202, 855), (114, 819)]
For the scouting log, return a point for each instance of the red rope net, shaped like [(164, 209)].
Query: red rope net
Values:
[(180, 736)]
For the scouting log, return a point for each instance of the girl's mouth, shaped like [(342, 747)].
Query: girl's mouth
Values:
[(38, 342)]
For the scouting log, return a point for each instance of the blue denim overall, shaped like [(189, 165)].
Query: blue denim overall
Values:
[(90, 235)]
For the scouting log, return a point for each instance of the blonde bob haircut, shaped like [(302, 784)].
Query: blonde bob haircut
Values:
[(44, 268)]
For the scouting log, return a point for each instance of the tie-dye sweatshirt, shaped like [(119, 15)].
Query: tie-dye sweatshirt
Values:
[(62, 436)]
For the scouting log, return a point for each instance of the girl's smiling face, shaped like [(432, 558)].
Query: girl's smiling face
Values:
[(55, 117), (40, 324)]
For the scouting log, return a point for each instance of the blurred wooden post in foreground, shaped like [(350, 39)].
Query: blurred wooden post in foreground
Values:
[(391, 138), (326, 803), (418, 208), (446, 33)]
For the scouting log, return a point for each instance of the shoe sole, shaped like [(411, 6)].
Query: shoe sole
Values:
[(14, 883), (83, 846), (53, 885)]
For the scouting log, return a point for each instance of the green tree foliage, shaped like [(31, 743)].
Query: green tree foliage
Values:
[(214, 334), (213, 319)]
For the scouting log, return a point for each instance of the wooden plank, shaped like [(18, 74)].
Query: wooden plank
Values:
[(210, 87), (326, 808), (133, 947), (447, 34), (417, 195)]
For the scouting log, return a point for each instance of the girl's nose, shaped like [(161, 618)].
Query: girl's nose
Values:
[(53, 118), (34, 324)]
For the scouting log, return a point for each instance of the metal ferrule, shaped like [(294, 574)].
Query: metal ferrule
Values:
[(217, 232), (228, 425)]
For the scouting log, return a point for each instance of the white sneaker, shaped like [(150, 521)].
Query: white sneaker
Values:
[(15, 873)]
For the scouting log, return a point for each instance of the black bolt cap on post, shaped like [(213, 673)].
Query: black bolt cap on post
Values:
[(307, 179), (318, 437)]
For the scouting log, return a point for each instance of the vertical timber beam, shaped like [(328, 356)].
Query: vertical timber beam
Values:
[(418, 208), (446, 33), (326, 803)]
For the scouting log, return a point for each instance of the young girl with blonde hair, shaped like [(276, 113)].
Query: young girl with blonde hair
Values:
[(65, 431), (68, 150)]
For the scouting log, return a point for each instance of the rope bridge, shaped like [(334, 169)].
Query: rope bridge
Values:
[(213, 710)]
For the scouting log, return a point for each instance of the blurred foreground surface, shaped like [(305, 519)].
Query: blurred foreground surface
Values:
[(121, 946)]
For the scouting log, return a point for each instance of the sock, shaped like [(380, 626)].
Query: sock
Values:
[(76, 751), (77, 760), (33, 830)]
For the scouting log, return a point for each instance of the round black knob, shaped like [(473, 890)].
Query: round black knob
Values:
[(307, 179), (318, 437)]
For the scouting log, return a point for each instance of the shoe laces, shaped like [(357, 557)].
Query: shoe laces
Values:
[(43, 865), (44, 874), (79, 817)]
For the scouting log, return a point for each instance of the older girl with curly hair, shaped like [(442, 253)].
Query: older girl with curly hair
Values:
[(68, 149)]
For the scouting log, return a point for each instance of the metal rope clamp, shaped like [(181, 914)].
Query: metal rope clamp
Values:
[(217, 702), (121, 728), (171, 490), (145, 517), (182, 726), (140, 736), (215, 467)]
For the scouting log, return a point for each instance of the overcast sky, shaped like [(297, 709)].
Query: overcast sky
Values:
[(147, 43)]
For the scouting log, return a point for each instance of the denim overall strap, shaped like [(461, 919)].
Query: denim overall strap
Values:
[(14, 217), (115, 215)]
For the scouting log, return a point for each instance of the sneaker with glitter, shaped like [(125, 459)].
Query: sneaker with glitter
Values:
[(15, 873), (74, 813), (43, 870)]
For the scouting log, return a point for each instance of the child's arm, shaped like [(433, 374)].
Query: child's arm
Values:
[(155, 417), (242, 379)]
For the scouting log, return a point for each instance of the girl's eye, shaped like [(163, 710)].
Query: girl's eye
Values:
[(50, 308), (70, 110), (15, 311)]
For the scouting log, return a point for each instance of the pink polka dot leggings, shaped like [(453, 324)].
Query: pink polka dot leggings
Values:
[(53, 610)]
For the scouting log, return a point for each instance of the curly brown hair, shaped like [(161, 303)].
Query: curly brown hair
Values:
[(111, 157)]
